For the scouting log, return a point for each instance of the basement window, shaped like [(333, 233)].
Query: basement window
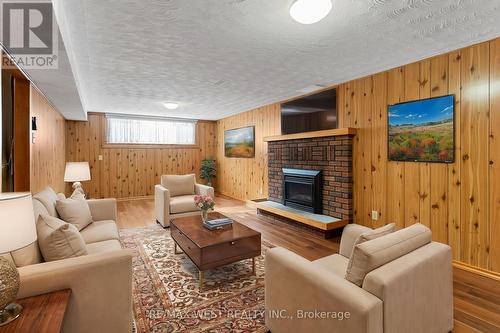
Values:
[(134, 130)]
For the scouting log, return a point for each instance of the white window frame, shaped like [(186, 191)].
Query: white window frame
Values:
[(153, 127)]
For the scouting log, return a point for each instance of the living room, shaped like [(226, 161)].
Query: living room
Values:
[(250, 166)]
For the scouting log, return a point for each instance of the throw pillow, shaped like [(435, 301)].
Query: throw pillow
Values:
[(58, 240), (179, 185), (48, 198), (376, 233), (367, 236), (377, 252), (74, 211), (348, 242)]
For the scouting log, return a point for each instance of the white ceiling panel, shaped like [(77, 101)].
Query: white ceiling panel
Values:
[(221, 57)]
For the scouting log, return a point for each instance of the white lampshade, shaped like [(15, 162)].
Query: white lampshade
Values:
[(77, 172), (17, 221)]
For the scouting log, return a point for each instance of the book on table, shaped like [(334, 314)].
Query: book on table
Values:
[(217, 227), (219, 222)]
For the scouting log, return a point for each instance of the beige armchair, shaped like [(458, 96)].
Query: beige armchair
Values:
[(174, 197), (406, 286)]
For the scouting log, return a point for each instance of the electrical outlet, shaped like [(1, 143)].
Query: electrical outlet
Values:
[(100, 157), (374, 215)]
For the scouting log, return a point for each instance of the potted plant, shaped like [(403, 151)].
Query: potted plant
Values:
[(208, 170)]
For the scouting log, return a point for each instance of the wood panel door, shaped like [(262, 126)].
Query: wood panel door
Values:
[(22, 131)]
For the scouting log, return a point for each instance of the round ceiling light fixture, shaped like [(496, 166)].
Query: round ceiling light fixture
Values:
[(310, 11), (171, 105)]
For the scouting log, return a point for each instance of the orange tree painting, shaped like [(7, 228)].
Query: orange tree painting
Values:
[(422, 131), (240, 142)]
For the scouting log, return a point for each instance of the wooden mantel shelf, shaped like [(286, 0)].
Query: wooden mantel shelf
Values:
[(315, 134)]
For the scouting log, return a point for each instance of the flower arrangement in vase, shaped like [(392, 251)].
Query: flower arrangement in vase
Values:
[(205, 203)]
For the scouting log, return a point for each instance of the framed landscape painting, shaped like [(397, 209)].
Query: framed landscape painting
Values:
[(422, 131), (240, 142)]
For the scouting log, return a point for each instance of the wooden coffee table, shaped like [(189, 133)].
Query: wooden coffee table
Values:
[(210, 249)]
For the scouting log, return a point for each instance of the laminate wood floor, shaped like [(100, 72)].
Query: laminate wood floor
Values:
[(476, 296)]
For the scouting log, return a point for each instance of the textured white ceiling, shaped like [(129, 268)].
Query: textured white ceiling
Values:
[(59, 86), (221, 57)]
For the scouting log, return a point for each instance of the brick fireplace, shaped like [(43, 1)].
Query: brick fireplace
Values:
[(331, 155)]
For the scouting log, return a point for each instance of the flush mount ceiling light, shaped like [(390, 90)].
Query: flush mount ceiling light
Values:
[(171, 105), (310, 11)]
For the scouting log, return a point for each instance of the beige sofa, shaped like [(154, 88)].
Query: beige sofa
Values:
[(410, 293), (174, 197), (100, 282)]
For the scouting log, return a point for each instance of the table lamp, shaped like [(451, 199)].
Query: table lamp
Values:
[(77, 172), (17, 230)]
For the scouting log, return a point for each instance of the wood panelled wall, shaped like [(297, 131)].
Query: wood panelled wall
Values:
[(459, 201), (246, 178), (48, 152), (132, 172)]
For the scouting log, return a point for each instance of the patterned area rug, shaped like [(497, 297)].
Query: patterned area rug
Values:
[(167, 297)]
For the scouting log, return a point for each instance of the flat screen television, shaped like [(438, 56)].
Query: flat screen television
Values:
[(311, 113), (422, 131)]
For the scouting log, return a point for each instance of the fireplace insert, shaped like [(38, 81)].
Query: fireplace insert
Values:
[(302, 189)]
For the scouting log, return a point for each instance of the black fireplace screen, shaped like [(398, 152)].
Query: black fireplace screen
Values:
[(299, 192), (302, 189)]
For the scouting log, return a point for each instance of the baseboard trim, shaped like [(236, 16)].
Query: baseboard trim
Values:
[(146, 197), (476, 270)]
